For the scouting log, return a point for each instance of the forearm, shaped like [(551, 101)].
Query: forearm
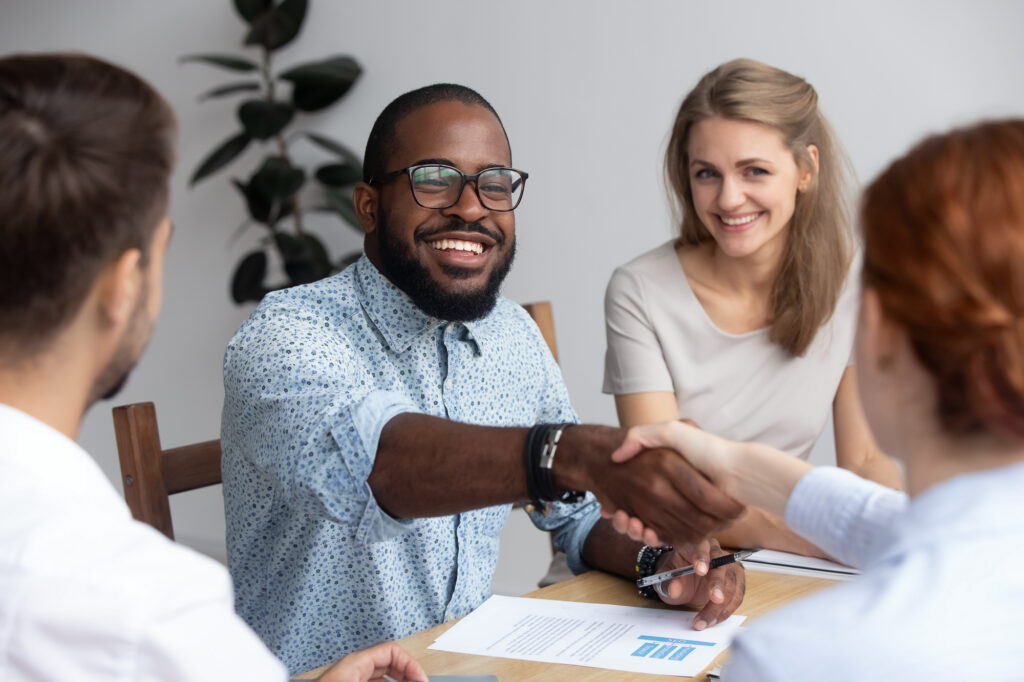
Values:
[(761, 476), (428, 466), (611, 551), (759, 529), (876, 467)]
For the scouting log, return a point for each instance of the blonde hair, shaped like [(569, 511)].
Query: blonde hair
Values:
[(818, 250)]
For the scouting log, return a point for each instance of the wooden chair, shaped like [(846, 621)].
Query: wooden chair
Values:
[(151, 474), (541, 314)]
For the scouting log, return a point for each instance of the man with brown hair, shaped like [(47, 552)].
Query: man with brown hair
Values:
[(86, 593)]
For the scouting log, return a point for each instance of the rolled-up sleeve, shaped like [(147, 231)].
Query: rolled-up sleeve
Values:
[(847, 516)]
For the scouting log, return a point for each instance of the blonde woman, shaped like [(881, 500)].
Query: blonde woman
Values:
[(940, 358), (744, 323)]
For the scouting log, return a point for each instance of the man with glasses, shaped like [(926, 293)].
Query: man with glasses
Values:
[(378, 424)]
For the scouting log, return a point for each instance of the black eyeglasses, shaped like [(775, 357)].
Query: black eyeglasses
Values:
[(438, 186)]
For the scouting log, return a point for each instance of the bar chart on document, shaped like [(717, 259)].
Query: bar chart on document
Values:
[(667, 647), (643, 640)]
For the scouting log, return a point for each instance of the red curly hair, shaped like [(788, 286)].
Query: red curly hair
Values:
[(944, 250)]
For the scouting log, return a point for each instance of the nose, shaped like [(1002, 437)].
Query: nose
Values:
[(730, 195), (468, 207)]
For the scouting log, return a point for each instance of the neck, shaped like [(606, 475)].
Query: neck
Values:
[(48, 388), (935, 458), (752, 274)]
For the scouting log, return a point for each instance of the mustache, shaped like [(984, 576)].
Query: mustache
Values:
[(459, 225)]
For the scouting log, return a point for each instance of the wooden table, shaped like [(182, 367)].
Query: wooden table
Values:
[(765, 592)]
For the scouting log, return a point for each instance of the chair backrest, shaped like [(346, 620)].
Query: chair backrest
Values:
[(150, 474), (541, 314)]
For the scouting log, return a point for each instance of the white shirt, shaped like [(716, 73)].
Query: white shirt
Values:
[(739, 386), (941, 596), (86, 593)]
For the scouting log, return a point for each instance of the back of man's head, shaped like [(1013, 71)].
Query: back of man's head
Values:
[(87, 152)]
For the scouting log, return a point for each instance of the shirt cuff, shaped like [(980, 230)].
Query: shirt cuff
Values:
[(572, 524), (369, 416), (843, 514)]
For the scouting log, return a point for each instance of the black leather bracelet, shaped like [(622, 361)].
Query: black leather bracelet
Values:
[(646, 559), (538, 460)]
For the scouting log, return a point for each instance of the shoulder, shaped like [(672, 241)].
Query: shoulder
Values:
[(650, 271), (511, 322), (321, 312), (111, 567)]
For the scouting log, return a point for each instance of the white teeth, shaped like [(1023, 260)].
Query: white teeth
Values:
[(458, 245), (733, 222)]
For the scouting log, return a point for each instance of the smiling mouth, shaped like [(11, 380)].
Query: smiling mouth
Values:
[(459, 245), (739, 221)]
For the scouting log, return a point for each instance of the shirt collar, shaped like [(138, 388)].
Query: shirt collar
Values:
[(399, 320)]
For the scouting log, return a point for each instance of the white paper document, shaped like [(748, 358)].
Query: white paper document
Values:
[(795, 564), (627, 638)]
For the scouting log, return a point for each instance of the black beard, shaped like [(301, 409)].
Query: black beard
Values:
[(407, 274)]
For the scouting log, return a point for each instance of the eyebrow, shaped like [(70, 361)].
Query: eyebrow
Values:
[(739, 164), (449, 162)]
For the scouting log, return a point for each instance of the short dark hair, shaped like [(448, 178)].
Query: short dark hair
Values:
[(381, 143), (88, 149)]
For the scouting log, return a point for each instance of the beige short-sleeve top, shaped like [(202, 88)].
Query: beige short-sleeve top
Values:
[(738, 386)]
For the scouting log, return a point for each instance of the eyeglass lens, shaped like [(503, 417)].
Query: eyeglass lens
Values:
[(499, 189)]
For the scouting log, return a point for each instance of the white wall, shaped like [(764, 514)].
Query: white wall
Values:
[(581, 85)]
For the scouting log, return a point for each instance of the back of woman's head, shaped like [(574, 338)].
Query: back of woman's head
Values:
[(944, 250), (818, 249)]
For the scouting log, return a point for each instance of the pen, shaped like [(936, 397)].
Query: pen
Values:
[(687, 570)]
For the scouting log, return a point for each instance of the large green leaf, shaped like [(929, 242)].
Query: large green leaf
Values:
[(339, 202), (262, 208), (278, 26), (221, 156), (250, 10), (305, 258), (339, 174), (278, 179), (262, 119), (230, 89), (247, 282), (320, 84), (335, 147), (224, 61)]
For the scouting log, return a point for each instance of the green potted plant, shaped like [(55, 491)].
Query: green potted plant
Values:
[(279, 192)]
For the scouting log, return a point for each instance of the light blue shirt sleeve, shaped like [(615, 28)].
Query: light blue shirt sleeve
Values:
[(275, 381), (847, 516)]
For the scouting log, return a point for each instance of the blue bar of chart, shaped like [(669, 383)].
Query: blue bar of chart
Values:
[(666, 647)]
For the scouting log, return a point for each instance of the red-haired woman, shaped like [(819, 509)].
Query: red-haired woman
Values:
[(940, 360), (745, 322)]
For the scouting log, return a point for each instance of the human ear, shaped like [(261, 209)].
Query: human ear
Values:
[(807, 176), (365, 201), (119, 287)]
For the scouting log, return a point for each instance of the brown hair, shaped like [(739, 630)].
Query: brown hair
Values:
[(87, 155), (944, 250), (819, 246)]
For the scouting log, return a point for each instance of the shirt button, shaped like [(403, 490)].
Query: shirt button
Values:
[(448, 384)]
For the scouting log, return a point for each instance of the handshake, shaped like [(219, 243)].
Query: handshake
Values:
[(661, 483)]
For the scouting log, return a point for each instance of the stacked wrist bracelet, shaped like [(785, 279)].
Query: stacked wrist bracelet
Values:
[(646, 560), (538, 460)]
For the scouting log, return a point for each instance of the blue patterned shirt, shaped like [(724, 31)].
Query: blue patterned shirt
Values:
[(310, 379)]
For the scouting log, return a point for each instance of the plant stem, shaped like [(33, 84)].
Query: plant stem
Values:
[(282, 144)]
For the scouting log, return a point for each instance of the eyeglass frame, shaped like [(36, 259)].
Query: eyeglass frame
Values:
[(465, 177)]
